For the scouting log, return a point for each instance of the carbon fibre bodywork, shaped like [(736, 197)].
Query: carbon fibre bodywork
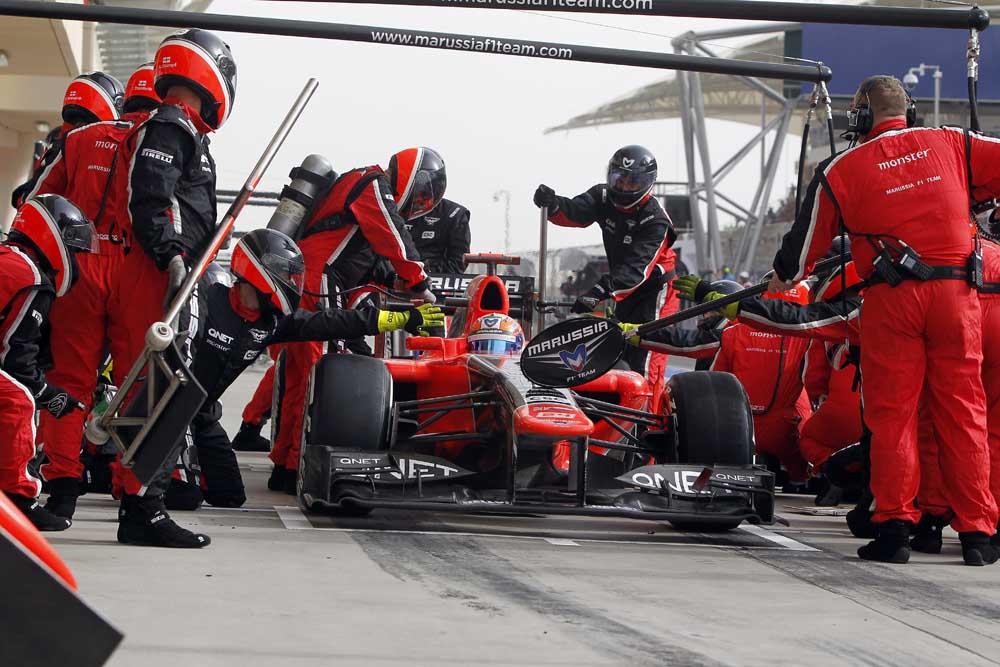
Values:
[(470, 433)]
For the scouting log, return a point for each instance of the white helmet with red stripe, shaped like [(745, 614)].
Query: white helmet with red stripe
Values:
[(201, 61), (140, 91), (271, 263), (54, 229), (418, 179), (92, 97)]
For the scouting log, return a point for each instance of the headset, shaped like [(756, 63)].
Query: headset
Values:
[(861, 120)]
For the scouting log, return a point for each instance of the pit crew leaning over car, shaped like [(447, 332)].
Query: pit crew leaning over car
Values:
[(361, 219), (637, 235), (239, 321)]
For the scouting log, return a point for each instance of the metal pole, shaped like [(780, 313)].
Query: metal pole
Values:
[(226, 225), (763, 139), (937, 97), (724, 170), (543, 259), (751, 10), (772, 168), (410, 38), (701, 136), (701, 248)]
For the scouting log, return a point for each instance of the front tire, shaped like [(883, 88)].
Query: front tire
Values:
[(349, 406), (714, 427)]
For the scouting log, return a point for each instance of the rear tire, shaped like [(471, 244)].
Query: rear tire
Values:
[(714, 427)]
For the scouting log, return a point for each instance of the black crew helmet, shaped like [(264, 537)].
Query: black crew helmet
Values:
[(631, 175), (271, 263)]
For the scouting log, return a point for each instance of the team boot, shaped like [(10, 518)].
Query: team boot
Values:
[(41, 518), (63, 492), (892, 544), (280, 479), (249, 439), (859, 521), (977, 550), (143, 520), (927, 537), (995, 540)]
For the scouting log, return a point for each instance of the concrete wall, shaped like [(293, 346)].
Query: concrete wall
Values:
[(15, 160), (43, 56)]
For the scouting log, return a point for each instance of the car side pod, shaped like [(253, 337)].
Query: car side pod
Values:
[(45, 622)]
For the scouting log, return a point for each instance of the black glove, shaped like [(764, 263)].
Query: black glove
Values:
[(57, 401), (546, 197), (176, 273), (588, 302)]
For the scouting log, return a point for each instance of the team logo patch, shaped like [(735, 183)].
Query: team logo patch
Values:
[(258, 335), (576, 360), (58, 403)]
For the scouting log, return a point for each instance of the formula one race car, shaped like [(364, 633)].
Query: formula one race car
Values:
[(459, 428)]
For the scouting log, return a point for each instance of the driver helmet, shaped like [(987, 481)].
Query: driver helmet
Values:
[(496, 333)]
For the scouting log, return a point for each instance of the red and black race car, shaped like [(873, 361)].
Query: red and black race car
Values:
[(454, 430)]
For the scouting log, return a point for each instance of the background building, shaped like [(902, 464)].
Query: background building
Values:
[(37, 60)]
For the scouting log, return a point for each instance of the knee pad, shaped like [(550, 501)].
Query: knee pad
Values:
[(226, 498), (182, 496)]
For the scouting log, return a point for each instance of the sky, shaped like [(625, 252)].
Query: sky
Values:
[(486, 114)]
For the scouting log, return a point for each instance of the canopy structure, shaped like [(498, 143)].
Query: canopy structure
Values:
[(693, 98), (725, 98)]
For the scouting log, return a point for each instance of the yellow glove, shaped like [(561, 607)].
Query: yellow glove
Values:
[(730, 311), (687, 287), (392, 320), (629, 330), (416, 320), (423, 317)]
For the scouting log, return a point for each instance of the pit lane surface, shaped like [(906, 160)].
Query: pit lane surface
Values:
[(277, 587)]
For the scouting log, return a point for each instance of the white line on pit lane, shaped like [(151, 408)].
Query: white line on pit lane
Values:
[(787, 542), (293, 518)]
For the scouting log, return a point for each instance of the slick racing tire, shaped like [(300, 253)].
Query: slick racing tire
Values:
[(714, 421), (349, 407), (714, 426), (351, 403)]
